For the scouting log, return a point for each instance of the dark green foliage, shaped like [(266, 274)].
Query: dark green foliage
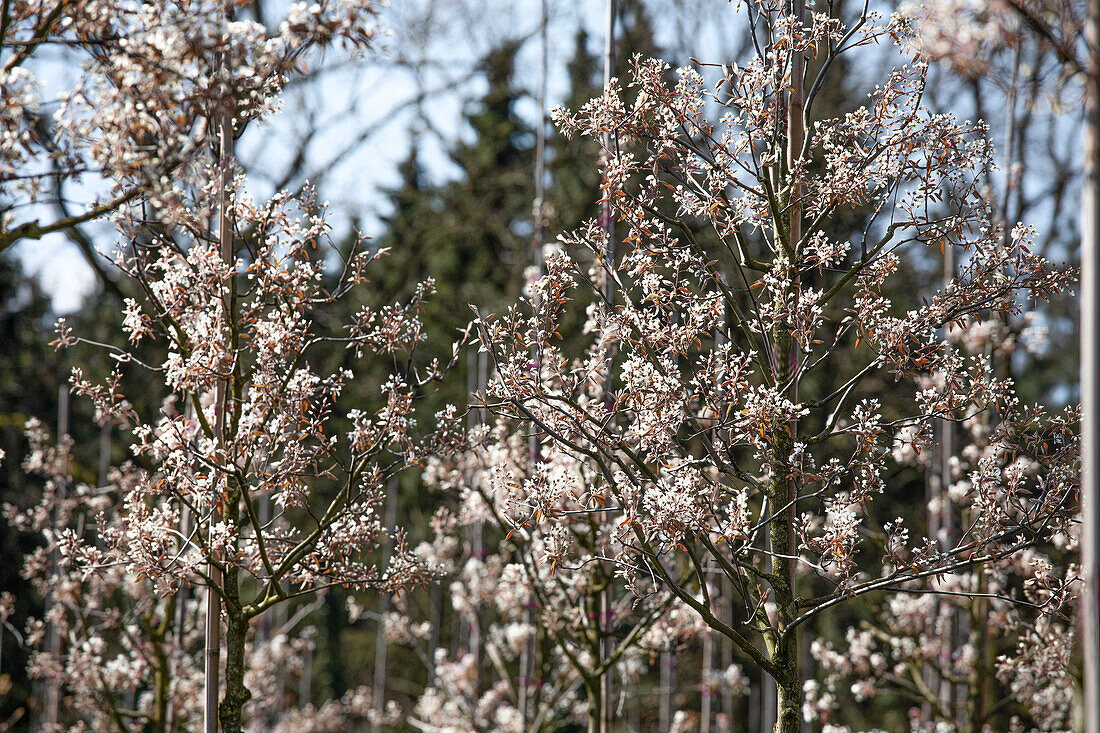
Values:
[(28, 387), (470, 234), (30, 380)]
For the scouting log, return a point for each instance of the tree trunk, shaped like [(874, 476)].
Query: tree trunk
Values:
[(378, 681), (788, 684), (230, 712), (334, 651), (595, 715), (782, 641)]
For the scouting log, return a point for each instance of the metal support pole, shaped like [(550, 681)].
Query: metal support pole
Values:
[(380, 646), (1090, 385), (605, 606), (664, 706), (53, 637), (527, 655), (212, 653)]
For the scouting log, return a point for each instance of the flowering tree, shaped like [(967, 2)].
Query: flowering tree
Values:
[(997, 636), (235, 320), (133, 112), (1018, 65), (544, 624), (273, 439), (191, 503), (717, 431), (766, 451), (131, 656)]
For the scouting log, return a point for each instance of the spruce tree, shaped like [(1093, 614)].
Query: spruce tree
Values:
[(477, 246), (574, 189), (470, 234), (573, 192)]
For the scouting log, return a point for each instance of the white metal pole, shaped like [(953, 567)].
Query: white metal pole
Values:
[(705, 673), (664, 706), (53, 637), (212, 655), (380, 647), (1090, 384), (527, 655), (605, 605)]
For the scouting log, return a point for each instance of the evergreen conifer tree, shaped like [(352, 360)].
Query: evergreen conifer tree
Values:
[(469, 234)]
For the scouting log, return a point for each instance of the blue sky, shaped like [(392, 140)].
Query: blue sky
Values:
[(430, 48), (429, 45)]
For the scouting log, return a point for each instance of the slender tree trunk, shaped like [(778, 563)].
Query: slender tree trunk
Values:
[(980, 692), (940, 529), (435, 597), (180, 621), (606, 707), (335, 663), (783, 642), (236, 694), (595, 716), (789, 691), (163, 675), (727, 655), (526, 657), (477, 545), (603, 624)]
